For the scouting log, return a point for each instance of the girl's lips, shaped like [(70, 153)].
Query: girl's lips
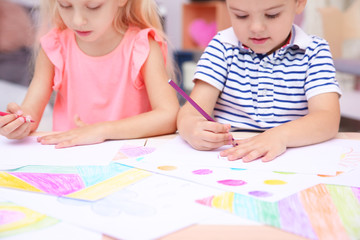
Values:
[(83, 33), (259, 40)]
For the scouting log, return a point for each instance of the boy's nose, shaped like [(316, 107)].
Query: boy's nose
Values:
[(257, 26)]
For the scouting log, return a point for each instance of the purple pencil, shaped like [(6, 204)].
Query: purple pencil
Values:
[(195, 105), (187, 97)]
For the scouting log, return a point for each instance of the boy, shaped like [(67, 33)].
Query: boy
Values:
[(263, 74)]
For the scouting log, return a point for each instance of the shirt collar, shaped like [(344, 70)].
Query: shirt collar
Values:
[(298, 39)]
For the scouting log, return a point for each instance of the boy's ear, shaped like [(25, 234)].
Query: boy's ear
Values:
[(300, 6), (122, 3)]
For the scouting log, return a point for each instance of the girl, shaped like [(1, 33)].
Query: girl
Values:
[(107, 61), (263, 74)]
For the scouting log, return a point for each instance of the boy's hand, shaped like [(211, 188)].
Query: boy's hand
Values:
[(265, 146), (206, 135), (14, 126)]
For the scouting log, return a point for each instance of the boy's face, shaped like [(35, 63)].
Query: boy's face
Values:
[(263, 25)]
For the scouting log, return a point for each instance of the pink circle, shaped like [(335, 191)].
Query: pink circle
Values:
[(202, 172), (232, 182)]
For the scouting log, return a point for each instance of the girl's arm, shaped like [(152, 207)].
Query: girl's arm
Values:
[(160, 120), (320, 124), (194, 128), (35, 101)]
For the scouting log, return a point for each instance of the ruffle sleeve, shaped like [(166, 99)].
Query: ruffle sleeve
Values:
[(141, 50), (52, 47)]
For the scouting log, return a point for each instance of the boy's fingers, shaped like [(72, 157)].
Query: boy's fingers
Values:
[(217, 127)]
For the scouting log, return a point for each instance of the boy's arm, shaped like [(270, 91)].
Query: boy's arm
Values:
[(320, 124), (194, 128)]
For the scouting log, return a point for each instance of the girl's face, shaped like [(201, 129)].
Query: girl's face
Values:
[(91, 20), (263, 25)]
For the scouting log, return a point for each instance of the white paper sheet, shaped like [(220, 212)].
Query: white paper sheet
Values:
[(322, 158), (14, 216), (146, 210), (264, 185), (16, 153)]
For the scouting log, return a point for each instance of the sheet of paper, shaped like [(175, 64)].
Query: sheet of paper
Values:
[(16, 153), (322, 158), (18, 223), (147, 209), (350, 178), (319, 212), (264, 185)]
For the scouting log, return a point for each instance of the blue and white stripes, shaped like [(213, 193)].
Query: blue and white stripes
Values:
[(264, 92)]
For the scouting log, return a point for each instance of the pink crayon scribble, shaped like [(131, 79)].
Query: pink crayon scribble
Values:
[(260, 194), (202, 172), (136, 151), (232, 182), (8, 217), (56, 184), (206, 201), (356, 193)]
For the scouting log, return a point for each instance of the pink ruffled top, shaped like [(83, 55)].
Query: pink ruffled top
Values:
[(98, 89)]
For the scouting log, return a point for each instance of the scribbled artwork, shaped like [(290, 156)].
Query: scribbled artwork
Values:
[(320, 212), (15, 219), (83, 182)]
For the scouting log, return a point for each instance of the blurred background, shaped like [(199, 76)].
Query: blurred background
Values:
[(190, 25)]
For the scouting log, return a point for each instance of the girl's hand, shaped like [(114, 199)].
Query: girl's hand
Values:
[(206, 135), (83, 135), (14, 126), (265, 146)]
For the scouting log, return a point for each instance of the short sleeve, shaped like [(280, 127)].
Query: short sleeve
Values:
[(212, 66), (141, 50), (52, 47), (321, 73)]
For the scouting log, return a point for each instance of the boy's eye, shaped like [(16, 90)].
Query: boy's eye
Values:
[(272, 16)]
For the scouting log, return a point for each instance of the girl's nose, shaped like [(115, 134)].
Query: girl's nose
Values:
[(79, 19)]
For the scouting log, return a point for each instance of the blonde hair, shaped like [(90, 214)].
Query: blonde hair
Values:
[(140, 13)]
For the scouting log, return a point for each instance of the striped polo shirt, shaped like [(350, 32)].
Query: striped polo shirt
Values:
[(259, 92)]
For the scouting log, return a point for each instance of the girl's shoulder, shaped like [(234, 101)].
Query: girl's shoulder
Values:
[(141, 35), (56, 38)]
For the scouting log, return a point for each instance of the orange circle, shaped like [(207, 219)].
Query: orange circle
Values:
[(167, 168)]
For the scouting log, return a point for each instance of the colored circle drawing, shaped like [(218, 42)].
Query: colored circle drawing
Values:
[(275, 182), (202, 172), (167, 168), (260, 194), (232, 182)]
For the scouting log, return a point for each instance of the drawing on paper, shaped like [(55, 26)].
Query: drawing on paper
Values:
[(319, 211), (83, 182), (16, 219)]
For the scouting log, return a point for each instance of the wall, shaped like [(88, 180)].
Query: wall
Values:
[(173, 20)]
